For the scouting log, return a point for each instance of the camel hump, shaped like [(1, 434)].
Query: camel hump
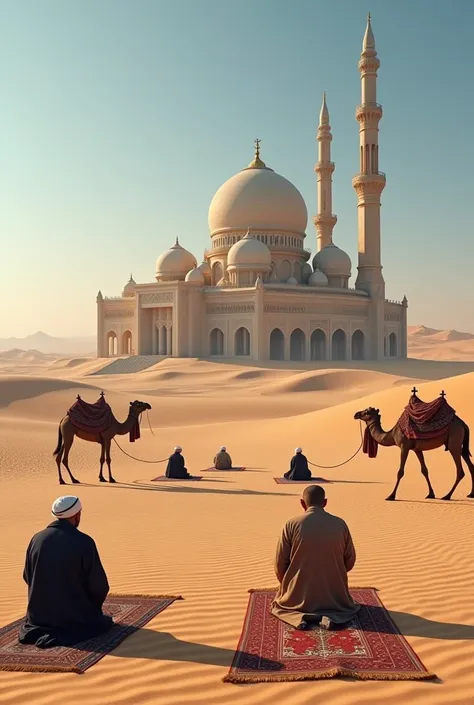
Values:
[(426, 420), (91, 418)]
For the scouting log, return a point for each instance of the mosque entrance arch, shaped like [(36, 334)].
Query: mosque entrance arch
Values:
[(392, 345), (127, 343), (277, 345), (112, 344), (318, 344), (338, 347), (297, 345), (216, 342), (217, 273), (242, 342), (358, 345)]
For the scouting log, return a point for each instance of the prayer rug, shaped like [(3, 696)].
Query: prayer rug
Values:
[(130, 613), (163, 478), (229, 470), (370, 647), (313, 481)]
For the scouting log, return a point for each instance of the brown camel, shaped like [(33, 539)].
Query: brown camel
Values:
[(67, 431), (456, 440)]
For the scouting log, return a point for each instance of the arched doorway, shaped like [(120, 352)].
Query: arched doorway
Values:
[(163, 340), (338, 351), (277, 345), (112, 344), (216, 341), (217, 273), (298, 345), (392, 345), (318, 344), (127, 343), (242, 342), (358, 345)]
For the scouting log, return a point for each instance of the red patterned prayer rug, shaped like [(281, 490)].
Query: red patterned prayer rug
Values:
[(425, 420), (130, 613), (313, 481), (370, 647), (91, 418), (229, 470), (163, 478)]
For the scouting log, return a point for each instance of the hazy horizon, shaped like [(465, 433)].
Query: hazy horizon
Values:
[(120, 120)]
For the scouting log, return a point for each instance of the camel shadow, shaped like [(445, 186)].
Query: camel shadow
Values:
[(440, 502), (185, 489)]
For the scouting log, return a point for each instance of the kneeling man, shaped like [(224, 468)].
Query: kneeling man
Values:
[(176, 468), (313, 557), (299, 469), (67, 584), (223, 461)]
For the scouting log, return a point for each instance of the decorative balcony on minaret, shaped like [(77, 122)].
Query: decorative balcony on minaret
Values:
[(325, 220)]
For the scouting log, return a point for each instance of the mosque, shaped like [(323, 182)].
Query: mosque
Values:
[(255, 295)]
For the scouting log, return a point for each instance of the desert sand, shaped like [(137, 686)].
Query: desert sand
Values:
[(211, 541)]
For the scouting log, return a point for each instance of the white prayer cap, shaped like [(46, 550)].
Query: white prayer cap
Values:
[(66, 507), (298, 450), (223, 448), (177, 448)]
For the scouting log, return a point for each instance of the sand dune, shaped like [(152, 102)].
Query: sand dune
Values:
[(212, 541)]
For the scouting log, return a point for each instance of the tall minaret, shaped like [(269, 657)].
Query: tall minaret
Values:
[(369, 182), (325, 220)]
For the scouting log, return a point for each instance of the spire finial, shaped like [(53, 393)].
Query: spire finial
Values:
[(257, 148), (368, 17), (369, 40), (257, 163), (324, 114), (177, 241)]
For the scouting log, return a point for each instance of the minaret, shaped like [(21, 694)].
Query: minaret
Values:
[(369, 182), (325, 220)]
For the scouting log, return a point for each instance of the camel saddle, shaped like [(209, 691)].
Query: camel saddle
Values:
[(425, 420), (91, 418)]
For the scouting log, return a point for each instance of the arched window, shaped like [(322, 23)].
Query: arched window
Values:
[(127, 343), (163, 340), (358, 345), (217, 273), (242, 342), (112, 347), (297, 345), (318, 344), (216, 342), (392, 345), (285, 270), (277, 345), (338, 351)]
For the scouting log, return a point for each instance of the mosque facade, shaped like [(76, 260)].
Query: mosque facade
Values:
[(256, 295)]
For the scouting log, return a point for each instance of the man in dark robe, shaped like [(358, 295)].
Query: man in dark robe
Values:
[(67, 584), (299, 469), (176, 468), (313, 557), (223, 461)]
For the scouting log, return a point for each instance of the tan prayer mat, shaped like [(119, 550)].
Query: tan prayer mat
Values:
[(369, 647), (313, 481), (229, 470), (163, 478), (130, 613)]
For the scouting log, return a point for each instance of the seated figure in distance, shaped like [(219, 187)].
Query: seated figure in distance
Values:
[(176, 467), (223, 461), (299, 469)]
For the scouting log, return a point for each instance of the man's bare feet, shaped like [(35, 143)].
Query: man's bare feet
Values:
[(325, 623)]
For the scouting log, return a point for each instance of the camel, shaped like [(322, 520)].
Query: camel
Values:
[(456, 440), (67, 431)]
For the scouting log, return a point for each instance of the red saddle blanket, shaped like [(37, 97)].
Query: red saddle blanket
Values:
[(91, 418), (424, 420)]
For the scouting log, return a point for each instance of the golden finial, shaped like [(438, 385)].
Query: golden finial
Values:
[(257, 148), (257, 163), (368, 17)]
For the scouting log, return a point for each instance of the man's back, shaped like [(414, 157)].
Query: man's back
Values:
[(222, 461), (313, 557)]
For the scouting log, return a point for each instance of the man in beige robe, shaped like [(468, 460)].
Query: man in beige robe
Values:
[(223, 461), (313, 557)]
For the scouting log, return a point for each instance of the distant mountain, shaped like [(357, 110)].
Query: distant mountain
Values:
[(47, 344), (440, 335)]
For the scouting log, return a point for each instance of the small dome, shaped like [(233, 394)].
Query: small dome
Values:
[(260, 196), (174, 263), (195, 276), (318, 278), (249, 252), (333, 261), (129, 288), (205, 269), (291, 281)]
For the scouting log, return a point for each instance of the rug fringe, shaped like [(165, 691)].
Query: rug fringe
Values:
[(330, 673), (143, 596), (41, 669), (351, 587)]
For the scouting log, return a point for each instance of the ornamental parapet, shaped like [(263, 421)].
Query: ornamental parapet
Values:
[(365, 184), (367, 110)]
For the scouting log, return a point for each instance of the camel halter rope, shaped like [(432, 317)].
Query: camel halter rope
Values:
[(140, 460), (339, 465)]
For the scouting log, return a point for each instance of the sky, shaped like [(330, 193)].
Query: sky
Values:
[(121, 118)]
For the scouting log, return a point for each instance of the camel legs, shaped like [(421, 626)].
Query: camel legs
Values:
[(470, 465), (459, 471), (65, 460), (102, 461), (424, 472), (109, 459), (403, 459)]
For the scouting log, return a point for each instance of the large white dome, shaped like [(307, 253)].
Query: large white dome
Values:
[(258, 197)]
